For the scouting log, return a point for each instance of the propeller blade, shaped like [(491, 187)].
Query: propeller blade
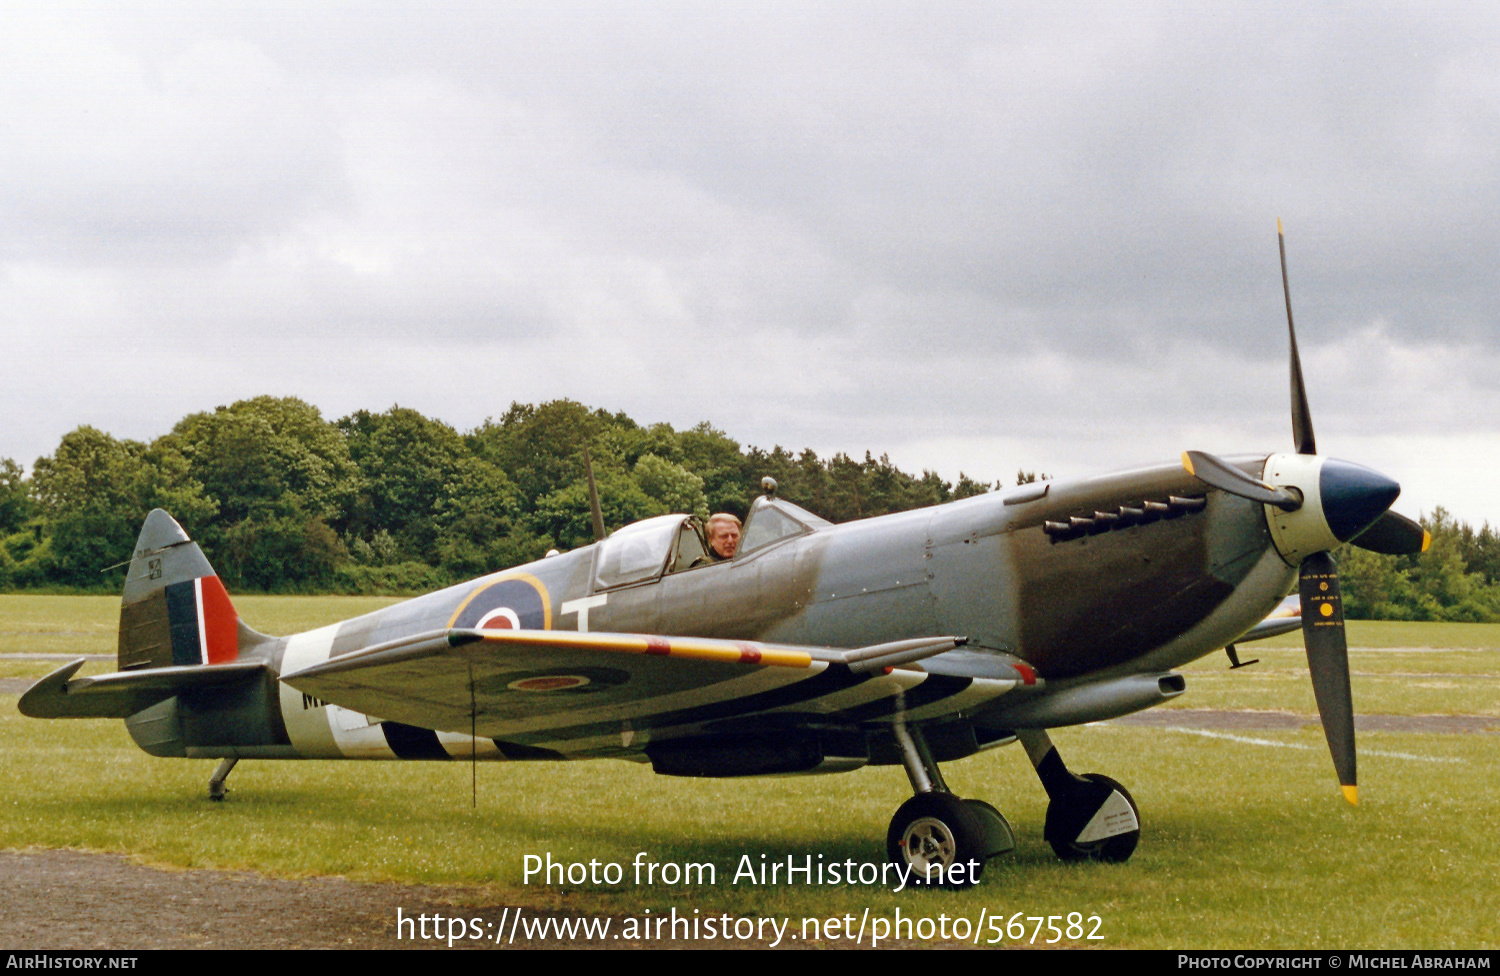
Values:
[(1394, 535), (1226, 477), (1302, 429), (1328, 660)]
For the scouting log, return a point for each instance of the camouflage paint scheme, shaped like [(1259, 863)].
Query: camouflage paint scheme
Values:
[(1062, 628)]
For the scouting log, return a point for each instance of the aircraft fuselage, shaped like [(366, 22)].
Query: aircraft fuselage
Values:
[(1083, 581)]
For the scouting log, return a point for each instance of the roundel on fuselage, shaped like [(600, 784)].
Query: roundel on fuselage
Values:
[(514, 603)]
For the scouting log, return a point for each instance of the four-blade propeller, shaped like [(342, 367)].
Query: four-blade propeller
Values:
[(1317, 504)]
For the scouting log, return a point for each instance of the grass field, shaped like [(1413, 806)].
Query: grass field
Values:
[(1244, 843)]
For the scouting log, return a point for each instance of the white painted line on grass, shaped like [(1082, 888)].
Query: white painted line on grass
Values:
[(1297, 745), (1408, 755)]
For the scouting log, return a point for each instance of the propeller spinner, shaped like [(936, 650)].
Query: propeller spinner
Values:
[(1313, 505)]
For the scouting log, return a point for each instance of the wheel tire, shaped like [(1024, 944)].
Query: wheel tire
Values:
[(932, 831), (1111, 850)]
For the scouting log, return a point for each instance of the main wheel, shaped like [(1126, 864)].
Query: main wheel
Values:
[(1066, 823), (931, 833)]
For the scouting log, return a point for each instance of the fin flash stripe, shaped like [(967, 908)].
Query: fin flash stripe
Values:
[(204, 627), (220, 624)]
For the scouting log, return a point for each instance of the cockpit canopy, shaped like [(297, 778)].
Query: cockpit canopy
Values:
[(644, 551), (637, 552)]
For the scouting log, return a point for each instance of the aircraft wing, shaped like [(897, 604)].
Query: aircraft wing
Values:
[(1286, 618), (544, 684)]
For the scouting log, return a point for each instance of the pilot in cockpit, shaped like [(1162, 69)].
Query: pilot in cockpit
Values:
[(723, 536)]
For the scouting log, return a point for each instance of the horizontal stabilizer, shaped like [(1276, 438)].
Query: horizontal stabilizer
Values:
[(122, 694)]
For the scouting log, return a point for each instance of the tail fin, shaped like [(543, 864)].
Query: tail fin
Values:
[(175, 611)]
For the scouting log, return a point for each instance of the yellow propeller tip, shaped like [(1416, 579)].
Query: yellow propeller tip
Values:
[(1187, 464), (1278, 225), (1426, 540), (1351, 793)]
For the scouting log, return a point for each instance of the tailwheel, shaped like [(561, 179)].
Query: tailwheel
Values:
[(940, 839), (1096, 820), (216, 787)]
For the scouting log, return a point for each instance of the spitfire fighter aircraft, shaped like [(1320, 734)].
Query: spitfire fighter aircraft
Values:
[(913, 638)]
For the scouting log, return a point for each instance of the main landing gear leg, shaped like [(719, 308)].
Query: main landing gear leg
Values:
[(216, 787), (940, 838), (1089, 818)]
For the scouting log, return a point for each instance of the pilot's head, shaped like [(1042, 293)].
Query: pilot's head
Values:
[(723, 534)]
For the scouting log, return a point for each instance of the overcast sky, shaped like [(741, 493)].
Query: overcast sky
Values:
[(975, 236)]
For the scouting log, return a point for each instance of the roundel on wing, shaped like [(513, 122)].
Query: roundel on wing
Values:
[(551, 682), (508, 604), (556, 681)]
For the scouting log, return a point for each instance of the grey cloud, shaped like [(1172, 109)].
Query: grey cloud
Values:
[(111, 158), (903, 223)]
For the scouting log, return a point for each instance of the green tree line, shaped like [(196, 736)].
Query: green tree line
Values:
[(284, 500), (1456, 579)]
